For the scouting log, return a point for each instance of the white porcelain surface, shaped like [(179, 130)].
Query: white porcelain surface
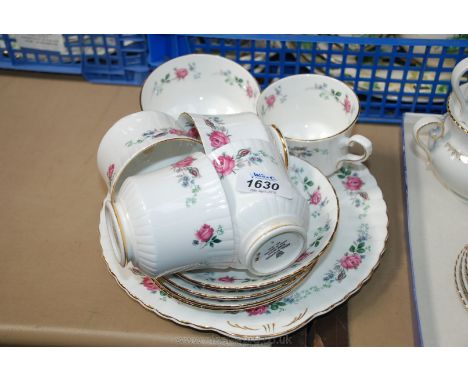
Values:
[(316, 115), (461, 95), (446, 148), (128, 147), (323, 213), (174, 218), (270, 216), (337, 276), (202, 84), (215, 131)]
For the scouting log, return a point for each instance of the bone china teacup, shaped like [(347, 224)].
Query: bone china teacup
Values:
[(316, 114)]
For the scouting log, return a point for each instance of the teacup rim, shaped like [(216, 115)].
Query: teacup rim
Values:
[(113, 191), (314, 75), (452, 116)]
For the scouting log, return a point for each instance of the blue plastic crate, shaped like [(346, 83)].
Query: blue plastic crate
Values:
[(117, 59), (391, 76)]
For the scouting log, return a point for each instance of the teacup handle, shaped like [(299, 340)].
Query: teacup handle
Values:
[(284, 146), (420, 125), (366, 145), (460, 69)]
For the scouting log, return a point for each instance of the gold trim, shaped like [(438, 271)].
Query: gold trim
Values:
[(454, 153), (269, 328), (452, 117), (240, 326), (286, 277), (459, 278), (230, 308), (113, 191), (297, 318), (257, 337), (224, 297), (283, 144), (122, 233)]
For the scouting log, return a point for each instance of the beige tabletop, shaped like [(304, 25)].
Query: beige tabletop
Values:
[(54, 285)]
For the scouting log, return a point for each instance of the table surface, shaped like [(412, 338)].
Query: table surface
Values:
[(54, 285)]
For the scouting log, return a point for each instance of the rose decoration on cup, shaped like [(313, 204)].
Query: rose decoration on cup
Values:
[(268, 212), (217, 131), (316, 115), (129, 146), (199, 215)]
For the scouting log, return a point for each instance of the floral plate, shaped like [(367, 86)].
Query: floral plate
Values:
[(324, 214), (353, 257)]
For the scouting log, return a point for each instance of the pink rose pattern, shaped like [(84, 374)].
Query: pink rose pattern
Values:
[(350, 261), (337, 95), (270, 100), (184, 162), (205, 233), (224, 165), (249, 90), (257, 311), (149, 284), (233, 80), (347, 104), (219, 135), (110, 173), (207, 236), (353, 183), (226, 279), (315, 198), (181, 73), (227, 164), (218, 139)]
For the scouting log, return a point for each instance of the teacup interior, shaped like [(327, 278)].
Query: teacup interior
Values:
[(309, 107), (201, 84), (158, 156)]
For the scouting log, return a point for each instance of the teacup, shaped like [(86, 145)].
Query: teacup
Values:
[(270, 216), (316, 115), (202, 84), (458, 100), (215, 131), (129, 146), (173, 219)]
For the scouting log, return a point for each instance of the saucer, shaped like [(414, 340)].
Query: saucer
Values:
[(324, 214), (350, 262), (236, 305), (201, 84), (223, 295)]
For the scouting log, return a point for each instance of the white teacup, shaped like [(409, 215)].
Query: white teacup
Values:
[(173, 219), (458, 100), (215, 131), (270, 216), (202, 84), (316, 115), (129, 146)]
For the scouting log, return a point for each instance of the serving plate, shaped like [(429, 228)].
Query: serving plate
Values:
[(350, 262)]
